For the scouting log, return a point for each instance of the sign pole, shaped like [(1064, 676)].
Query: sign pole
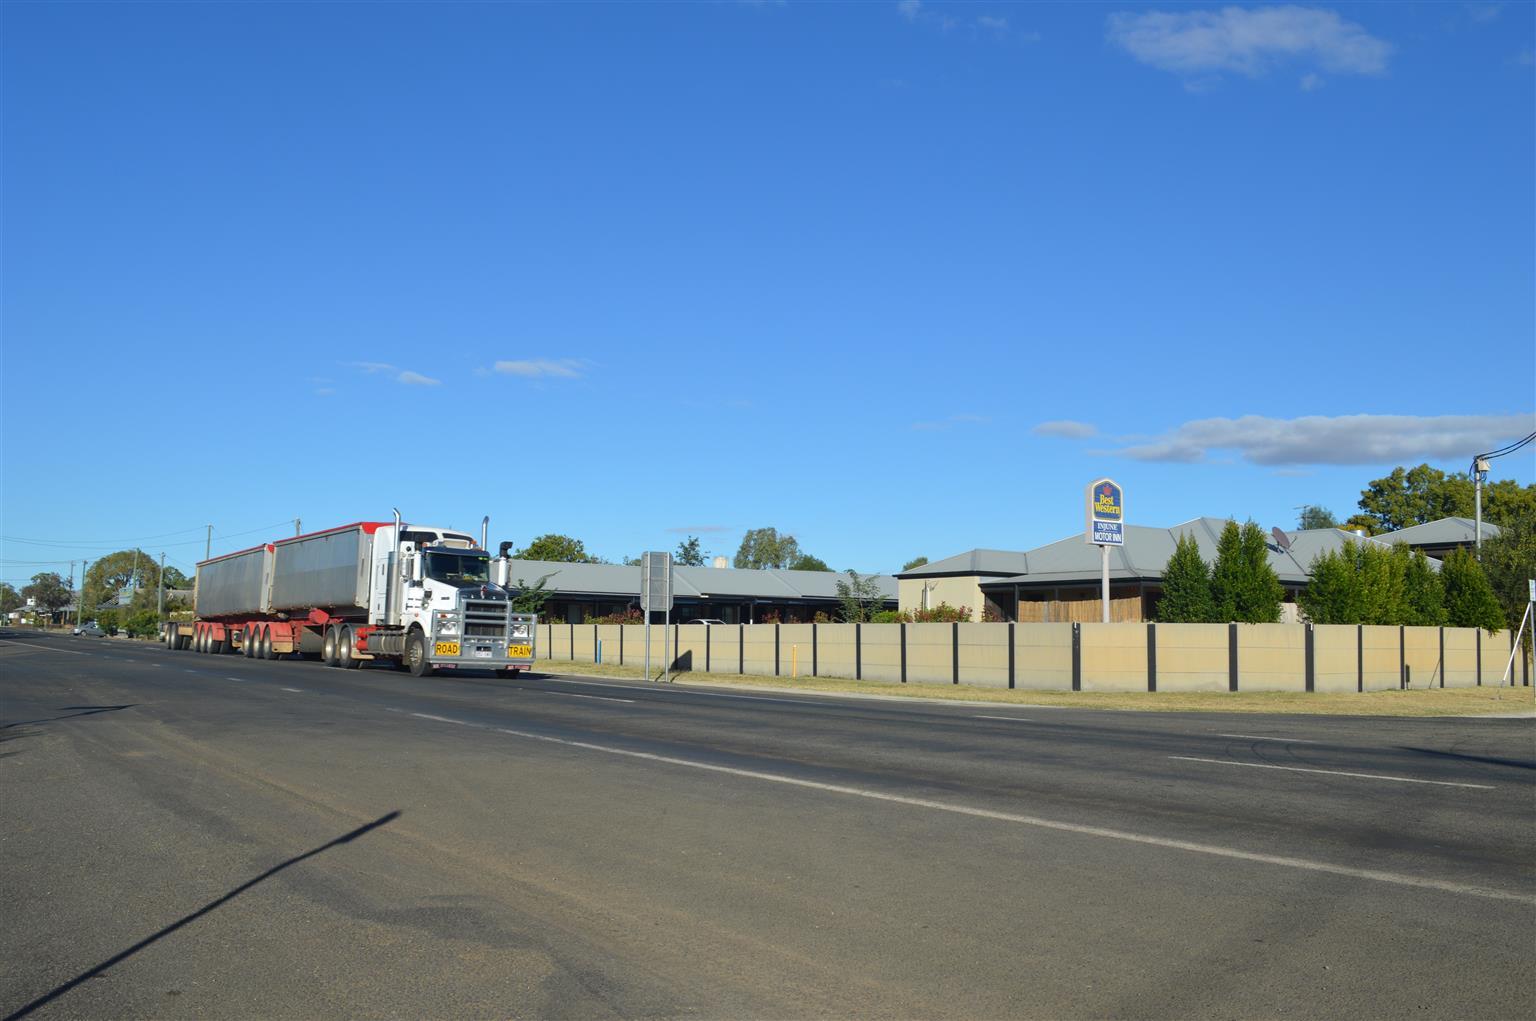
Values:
[(1104, 563)]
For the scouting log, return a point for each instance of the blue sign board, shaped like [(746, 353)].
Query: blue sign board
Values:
[(1108, 533), (1106, 513)]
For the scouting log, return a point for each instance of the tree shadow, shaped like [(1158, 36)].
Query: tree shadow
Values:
[(84, 710), (116, 959), (1513, 763)]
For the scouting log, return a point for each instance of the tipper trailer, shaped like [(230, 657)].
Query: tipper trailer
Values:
[(419, 597)]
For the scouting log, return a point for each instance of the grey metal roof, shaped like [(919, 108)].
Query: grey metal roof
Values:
[(620, 581), (977, 561), (1443, 532)]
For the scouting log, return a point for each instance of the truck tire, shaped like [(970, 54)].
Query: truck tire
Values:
[(265, 649), (344, 656), (328, 649), (202, 639), (416, 655), (245, 642)]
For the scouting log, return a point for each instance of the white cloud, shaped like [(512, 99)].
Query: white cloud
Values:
[(400, 375), (1311, 82), (909, 8), (1248, 40), (324, 391), (1484, 13), (996, 24), (373, 368), (534, 368), (416, 379), (1066, 428), (1340, 439)]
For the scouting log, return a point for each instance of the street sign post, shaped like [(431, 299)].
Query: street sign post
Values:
[(1106, 526), (656, 595)]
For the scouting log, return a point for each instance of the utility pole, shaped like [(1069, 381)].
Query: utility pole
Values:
[(298, 528), (1479, 473), (80, 601), (160, 594), (208, 549)]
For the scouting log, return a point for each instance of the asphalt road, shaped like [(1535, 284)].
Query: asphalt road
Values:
[(210, 836)]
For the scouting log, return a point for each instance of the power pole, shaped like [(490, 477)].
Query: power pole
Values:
[(298, 528), (208, 549), (160, 593), (80, 602)]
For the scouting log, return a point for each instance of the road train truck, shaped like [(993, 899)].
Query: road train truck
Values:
[(414, 596)]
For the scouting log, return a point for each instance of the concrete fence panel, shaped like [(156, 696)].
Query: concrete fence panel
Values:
[(1115, 657), (760, 649), (611, 638), (794, 650), (930, 653), (1461, 657), (1042, 656), (560, 641), (1335, 657), (724, 649), (1271, 657), (882, 652), (690, 640), (1192, 657), (1421, 654), (984, 655), (836, 648), (1381, 656)]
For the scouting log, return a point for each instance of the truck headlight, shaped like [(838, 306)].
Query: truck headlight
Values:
[(447, 623)]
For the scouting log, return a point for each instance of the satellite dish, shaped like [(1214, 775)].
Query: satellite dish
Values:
[(1281, 539)]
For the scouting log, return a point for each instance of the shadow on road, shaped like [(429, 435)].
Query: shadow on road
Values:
[(1513, 763), (116, 959), (83, 710)]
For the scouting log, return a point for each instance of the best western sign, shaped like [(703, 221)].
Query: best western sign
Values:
[(1106, 513)]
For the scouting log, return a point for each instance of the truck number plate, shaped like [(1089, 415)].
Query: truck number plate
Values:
[(514, 651), (445, 649)]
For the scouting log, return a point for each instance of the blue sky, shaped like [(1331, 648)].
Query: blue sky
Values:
[(898, 278)]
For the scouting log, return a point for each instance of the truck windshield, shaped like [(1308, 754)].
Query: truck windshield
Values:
[(459, 568)]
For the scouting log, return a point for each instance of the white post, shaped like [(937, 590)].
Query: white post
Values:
[(647, 642), (1104, 562), (666, 640), (1516, 650)]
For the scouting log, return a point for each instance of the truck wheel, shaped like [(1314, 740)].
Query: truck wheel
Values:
[(245, 642), (172, 637), (416, 655), (266, 644), (215, 645), (328, 649), (344, 656)]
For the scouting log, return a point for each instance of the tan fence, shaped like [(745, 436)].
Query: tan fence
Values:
[(1062, 657)]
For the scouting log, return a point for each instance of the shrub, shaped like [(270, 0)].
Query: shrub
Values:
[(1186, 586), (632, 615), (941, 614), (144, 624), (888, 617)]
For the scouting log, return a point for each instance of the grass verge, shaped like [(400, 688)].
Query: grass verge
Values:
[(1420, 702)]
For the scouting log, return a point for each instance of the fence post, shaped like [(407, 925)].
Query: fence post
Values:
[(1012, 669), (1479, 635), (775, 650), (1151, 656), (903, 626), (1077, 656), (858, 651), (1359, 658), (1402, 657), (741, 648), (954, 650), (813, 648), (1232, 656), (1442, 656), (1311, 655), (573, 641), (622, 634), (595, 656), (708, 630)]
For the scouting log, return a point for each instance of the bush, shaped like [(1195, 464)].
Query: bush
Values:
[(144, 624), (1186, 586), (107, 621), (888, 617), (632, 615), (941, 614)]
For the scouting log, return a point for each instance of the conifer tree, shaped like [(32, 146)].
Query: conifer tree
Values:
[(1243, 585), (1469, 598), (1186, 586), (1423, 594)]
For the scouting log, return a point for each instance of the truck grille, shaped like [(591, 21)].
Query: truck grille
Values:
[(485, 619)]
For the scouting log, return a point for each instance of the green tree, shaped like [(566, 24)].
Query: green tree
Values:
[(1333, 594), (1412, 496), (913, 563), (143, 624), (10, 599), (48, 590), (528, 598), (1469, 598), (1243, 585), (1362, 523), (764, 548), (1423, 593), (861, 597), (690, 553), (108, 577), (806, 562), (1313, 516), (561, 549), (1187, 595), (1383, 586), (1507, 502), (173, 578), (1509, 561)]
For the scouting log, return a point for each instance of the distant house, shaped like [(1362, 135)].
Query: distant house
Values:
[(583, 591), (1438, 538), (1061, 581)]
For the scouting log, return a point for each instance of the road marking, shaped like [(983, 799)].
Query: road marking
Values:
[(1256, 737), (1336, 772), (440, 719), (46, 648), (1009, 719), (188, 670), (296, 691), (240, 679), (1374, 875), (694, 691), (600, 698)]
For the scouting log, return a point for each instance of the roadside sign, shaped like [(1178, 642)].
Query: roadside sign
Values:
[(655, 582), (1106, 513)]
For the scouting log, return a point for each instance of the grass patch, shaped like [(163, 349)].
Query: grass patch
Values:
[(1421, 702)]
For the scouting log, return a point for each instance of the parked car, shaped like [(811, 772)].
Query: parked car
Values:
[(705, 620), (90, 630)]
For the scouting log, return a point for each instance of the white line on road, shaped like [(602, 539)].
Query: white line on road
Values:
[(296, 691), (1256, 737), (46, 648), (600, 698), (1335, 772), (1374, 875), (694, 691), (1009, 719), (240, 679)]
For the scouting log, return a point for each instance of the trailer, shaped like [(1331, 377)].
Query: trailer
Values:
[(415, 596)]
